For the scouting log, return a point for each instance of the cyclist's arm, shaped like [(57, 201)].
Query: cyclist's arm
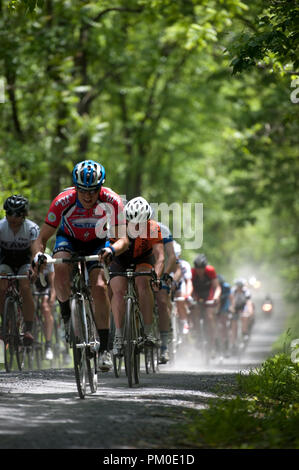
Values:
[(39, 245), (177, 273), (171, 258), (189, 288), (217, 289), (120, 243), (158, 251)]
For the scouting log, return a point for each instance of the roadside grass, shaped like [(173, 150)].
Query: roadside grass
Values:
[(291, 333), (264, 414)]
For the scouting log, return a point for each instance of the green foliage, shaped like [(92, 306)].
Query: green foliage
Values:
[(146, 88), (264, 415), (272, 37), (276, 380), (291, 333)]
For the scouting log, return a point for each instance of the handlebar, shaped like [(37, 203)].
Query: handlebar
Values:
[(129, 273), (13, 276), (72, 259), (202, 302)]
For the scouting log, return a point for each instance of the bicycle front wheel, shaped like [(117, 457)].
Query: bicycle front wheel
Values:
[(79, 352), (10, 334), (92, 349), (130, 343), (39, 341)]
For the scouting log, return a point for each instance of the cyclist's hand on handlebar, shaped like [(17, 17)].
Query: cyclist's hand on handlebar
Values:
[(167, 278), (155, 282), (157, 285), (39, 261), (32, 275), (106, 255), (211, 303)]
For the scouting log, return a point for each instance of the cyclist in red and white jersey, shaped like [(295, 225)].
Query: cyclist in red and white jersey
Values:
[(83, 215), (206, 287)]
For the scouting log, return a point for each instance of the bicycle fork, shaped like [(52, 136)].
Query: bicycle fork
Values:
[(92, 345)]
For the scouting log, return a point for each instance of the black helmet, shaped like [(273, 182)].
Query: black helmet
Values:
[(16, 205), (200, 261)]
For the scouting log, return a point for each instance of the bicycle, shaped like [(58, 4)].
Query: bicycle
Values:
[(200, 328), (16, 354), (134, 336), (83, 333)]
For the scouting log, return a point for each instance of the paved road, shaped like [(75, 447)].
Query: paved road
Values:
[(41, 409)]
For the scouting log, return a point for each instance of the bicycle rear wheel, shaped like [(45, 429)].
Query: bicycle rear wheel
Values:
[(117, 364)]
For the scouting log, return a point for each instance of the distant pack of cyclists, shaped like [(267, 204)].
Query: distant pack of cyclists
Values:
[(90, 218)]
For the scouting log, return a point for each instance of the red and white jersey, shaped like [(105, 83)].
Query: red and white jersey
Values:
[(67, 213)]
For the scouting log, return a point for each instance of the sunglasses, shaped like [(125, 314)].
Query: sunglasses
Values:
[(15, 214), (89, 191)]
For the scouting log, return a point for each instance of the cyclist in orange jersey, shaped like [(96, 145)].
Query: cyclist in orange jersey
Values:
[(145, 252)]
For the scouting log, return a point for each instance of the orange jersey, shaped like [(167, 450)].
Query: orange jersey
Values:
[(141, 241)]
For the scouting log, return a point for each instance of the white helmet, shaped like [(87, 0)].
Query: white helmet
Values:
[(138, 210), (240, 282), (177, 248)]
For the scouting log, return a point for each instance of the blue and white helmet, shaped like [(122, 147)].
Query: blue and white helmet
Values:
[(88, 175)]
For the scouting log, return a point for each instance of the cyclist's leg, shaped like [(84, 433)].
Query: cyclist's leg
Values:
[(4, 269), (28, 303), (249, 312), (211, 326), (146, 297), (234, 331), (99, 293), (118, 287), (48, 317), (182, 314), (222, 333), (62, 280), (48, 325), (164, 306)]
